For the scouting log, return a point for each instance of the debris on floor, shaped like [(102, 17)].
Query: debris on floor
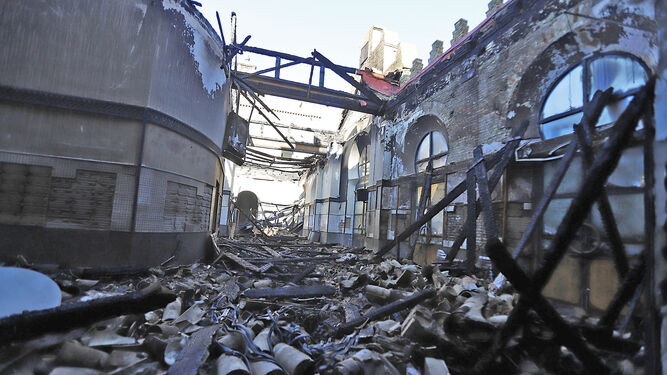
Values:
[(286, 306)]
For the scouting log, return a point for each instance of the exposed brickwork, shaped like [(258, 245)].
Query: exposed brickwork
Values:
[(184, 210), (24, 193), (85, 201)]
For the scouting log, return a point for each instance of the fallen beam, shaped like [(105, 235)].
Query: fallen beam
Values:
[(78, 314), (195, 352), (293, 260), (236, 259), (291, 292), (302, 275), (385, 310), (118, 272)]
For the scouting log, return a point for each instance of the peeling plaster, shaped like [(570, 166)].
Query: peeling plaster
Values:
[(212, 77), (399, 127)]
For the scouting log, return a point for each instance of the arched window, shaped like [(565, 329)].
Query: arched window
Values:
[(432, 147), (564, 104), (364, 168)]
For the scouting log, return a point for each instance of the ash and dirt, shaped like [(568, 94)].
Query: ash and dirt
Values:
[(217, 324)]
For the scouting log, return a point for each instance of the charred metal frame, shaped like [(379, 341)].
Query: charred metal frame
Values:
[(592, 190), (366, 101)]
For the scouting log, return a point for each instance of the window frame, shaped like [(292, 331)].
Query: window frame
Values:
[(430, 149), (585, 74)]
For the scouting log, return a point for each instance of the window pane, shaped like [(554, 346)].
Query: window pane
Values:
[(421, 166), (568, 94), (439, 162), (630, 169), (621, 73), (562, 126), (439, 143), (424, 148), (572, 179), (611, 112)]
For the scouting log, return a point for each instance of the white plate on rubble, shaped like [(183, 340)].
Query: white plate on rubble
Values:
[(22, 289)]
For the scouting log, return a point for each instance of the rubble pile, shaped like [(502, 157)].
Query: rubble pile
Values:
[(292, 307)]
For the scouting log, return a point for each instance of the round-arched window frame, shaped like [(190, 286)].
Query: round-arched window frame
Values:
[(364, 167), (563, 105), (432, 148)]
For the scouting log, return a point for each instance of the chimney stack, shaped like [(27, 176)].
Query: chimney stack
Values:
[(417, 66), (436, 50), (493, 6), (460, 30)]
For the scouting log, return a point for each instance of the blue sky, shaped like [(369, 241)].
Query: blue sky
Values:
[(336, 28)]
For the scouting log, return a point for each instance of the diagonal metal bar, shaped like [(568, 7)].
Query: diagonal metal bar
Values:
[(267, 119), (267, 70), (500, 158), (251, 220), (290, 57), (241, 83), (363, 89)]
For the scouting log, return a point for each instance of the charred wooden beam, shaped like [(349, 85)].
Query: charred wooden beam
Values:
[(591, 114), (493, 181), (78, 314), (565, 334), (584, 134), (291, 292), (385, 310), (117, 272), (301, 275), (471, 221), (623, 294), (294, 260), (290, 57), (579, 208), (484, 194), (318, 95), (238, 260)]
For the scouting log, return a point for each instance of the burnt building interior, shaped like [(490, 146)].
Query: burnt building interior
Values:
[(169, 205)]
